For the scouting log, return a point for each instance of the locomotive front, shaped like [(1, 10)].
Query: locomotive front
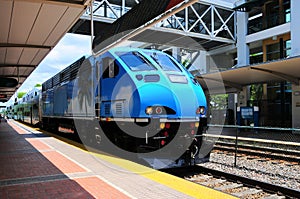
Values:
[(157, 105)]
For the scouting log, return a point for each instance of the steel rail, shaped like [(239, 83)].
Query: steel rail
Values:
[(267, 187)]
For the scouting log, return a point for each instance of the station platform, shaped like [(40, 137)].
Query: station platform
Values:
[(36, 165)]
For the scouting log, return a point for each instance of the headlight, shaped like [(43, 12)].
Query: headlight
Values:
[(158, 110), (200, 110), (149, 110)]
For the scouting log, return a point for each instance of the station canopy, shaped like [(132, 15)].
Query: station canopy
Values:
[(29, 30), (234, 79)]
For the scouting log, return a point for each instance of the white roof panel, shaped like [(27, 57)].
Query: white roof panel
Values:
[(29, 30), (280, 70)]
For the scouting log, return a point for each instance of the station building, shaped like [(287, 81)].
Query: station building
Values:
[(266, 31)]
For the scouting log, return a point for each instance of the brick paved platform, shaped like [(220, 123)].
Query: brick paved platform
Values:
[(30, 168), (34, 165)]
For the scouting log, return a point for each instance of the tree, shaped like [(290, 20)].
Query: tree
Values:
[(256, 94), (38, 85), (219, 102), (185, 63), (20, 94)]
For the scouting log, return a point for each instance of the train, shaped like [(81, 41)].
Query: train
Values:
[(27, 108), (133, 101)]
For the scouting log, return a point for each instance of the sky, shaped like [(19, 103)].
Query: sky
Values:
[(70, 48)]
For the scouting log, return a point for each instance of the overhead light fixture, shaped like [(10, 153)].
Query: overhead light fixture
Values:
[(7, 82)]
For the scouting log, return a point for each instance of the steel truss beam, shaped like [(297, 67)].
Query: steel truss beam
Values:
[(105, 11), (214, 23), (209, 24)]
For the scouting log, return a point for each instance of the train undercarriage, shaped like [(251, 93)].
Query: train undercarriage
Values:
[(155, 143)]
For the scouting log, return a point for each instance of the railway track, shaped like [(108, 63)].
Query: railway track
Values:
[(259, 151), (235, 185)]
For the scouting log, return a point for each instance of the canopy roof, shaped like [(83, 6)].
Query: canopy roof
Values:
[(234, 79), (29, 30)]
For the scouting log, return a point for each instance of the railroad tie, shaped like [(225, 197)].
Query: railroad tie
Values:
[(274, 196), (247, 192), (213, 182), (230, 186), (200, 178)]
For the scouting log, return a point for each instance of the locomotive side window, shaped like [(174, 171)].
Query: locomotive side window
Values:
[(110, 68), (165, 62), (136, 62)]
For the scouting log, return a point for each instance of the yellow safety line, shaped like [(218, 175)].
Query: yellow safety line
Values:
[(179, 184)]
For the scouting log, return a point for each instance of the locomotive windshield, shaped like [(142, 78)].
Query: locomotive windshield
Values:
[(165, 62), (136, 62)]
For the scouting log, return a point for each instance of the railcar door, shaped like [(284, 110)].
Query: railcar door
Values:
[(108, 80)]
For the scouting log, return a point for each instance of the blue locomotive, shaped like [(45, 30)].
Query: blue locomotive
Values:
[(136, 101)]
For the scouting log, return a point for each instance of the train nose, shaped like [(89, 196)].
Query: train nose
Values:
[(157, 95), (187, 102), (183, 100)]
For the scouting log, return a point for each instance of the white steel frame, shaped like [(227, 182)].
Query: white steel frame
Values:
[(183, 24), (106, 12)]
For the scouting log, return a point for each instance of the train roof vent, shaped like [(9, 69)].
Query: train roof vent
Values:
[(56, 79), (47, 85), (67, 74), (71, 71)]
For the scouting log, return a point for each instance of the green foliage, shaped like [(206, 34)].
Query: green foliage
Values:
[(256, 92), (185, 62), (38, 85), (219, 102), (20, 94)]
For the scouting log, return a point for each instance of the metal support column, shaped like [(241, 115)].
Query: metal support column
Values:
[(242, 46), (295, 51), (295, 28), (243, 53)]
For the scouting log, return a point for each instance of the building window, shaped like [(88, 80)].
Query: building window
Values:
[(288, 15), (256, 55), (268, 15), (277, 12), (287, 10), (273, 51), (287, 48)]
